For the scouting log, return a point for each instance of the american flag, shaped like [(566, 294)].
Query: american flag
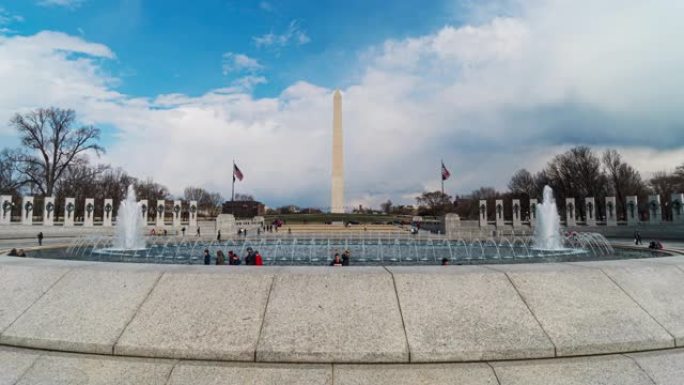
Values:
[(237, 173), (445, 173)]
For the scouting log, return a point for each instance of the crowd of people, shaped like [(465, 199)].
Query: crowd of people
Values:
[(253, 258)]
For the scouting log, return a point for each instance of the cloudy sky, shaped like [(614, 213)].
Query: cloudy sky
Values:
[(181, 88)]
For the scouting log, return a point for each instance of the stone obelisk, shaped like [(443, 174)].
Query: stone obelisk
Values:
[(337, 195)]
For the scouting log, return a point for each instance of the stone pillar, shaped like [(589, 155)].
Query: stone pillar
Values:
[(27, 211), (517, 220), (226, 224), (570, 219), (655, 214), (590, 209), (192, 212), (144, 208), (5, 209), (533, 212), (677, 204), (499, 213), (49, 212), (451, 224), (161, 207), (69, 211), (89, 212), (483, 213), (177, 214), (611, 211), (632, 210), (107, 212)]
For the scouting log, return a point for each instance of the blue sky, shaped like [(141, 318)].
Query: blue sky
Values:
[(181, 88), (177, 46)]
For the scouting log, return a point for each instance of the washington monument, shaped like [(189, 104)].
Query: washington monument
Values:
[(337, 193)]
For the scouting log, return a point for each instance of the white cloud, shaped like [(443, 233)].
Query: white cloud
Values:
[(237, 62), (61, 3), (8, 18), (489, 98), (293, 35)]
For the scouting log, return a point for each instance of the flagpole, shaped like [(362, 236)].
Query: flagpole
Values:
[(232, 193), (441, 176)]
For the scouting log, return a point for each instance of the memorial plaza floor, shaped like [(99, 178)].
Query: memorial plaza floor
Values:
[(609, 322)]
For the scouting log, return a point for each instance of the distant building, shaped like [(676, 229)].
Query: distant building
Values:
[(244, 209)]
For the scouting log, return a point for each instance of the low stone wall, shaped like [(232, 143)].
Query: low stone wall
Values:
[(343, 315)]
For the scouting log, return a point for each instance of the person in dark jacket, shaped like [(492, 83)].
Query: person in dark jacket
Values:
[(13, 253), (233, 258), (207, 257), (346, 257), (249, 259), (220, 258), (40, 238), (336, 260), (218, 237)]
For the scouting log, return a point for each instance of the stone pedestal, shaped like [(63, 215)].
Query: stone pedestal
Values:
[(177, 207), (499, 213), (226, 223), (144, 208), (107, 212), (192, 214), (49, 211), (483, 213), (89, 212), (69, 211), (590, 211), (517, 220), (27, 211), (570, 219), (160, 209), (533, 212), (655, 214), (632, 206), (451, 224), (5, 209), (611, 211), (677, 205)]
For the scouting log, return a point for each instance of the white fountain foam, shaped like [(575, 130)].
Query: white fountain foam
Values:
[(129, 224), (547, 229)]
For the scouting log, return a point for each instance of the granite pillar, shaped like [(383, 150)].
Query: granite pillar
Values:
[(611, 211), (161, 208), (5, 209), (655, 214), (144, 208), (483, 213), (677, 206), (192, 212), (590, 211), (499, 213), (517, 220), (69, 211), (89, 212), (632, 206), (570, 218), (49, 211), (177, 214), (451, 224), (533, 212), (107, 212), (27, 211)]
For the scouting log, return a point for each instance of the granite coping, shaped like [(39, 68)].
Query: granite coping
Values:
[(37, 367), (343, 315)]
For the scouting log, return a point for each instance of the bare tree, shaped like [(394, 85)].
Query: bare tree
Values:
[(10, 181), (523, 182), (386, 207), (623, 179), (434, 203), (244, 197), (50, 143)]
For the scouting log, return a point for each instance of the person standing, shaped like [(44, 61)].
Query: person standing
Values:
[(220, 258), (346, 257), (198, 231), (40, 238), (207, 257), (183, 230), (218, 236)]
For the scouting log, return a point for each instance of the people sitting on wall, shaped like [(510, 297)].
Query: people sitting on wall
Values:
[(207, 257), (153, 232), (233, 259), (21, 253), (258, 261), (249, 258), (220, 258), (346, 258), (445, 261), (655, 245), (336, 260), (13, 253)]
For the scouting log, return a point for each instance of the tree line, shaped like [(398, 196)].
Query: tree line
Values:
[(54, 159), (578, 173)]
